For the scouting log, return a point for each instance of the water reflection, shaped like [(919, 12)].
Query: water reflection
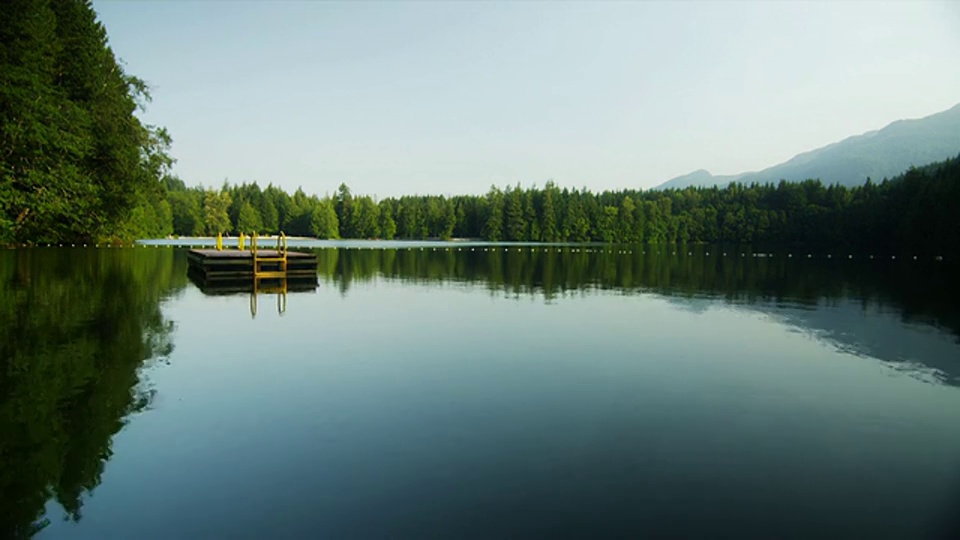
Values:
[(899, 312), (76, 328), (255, 288)]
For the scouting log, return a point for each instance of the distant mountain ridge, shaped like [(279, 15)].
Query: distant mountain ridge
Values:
[(878, 154)]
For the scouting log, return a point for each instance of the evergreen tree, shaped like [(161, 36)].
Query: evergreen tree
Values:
[(346, 213), (516, 227), (323, 220), (215, 216), (493, 224), (248, 220), (388, 226), (75, 160), (548, 227)]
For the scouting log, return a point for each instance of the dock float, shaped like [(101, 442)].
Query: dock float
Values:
[(254, 264)]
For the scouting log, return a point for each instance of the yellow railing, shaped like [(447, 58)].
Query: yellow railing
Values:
[(279, 257), (240, 241)]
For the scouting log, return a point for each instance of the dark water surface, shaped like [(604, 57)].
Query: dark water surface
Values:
[(472, 392)]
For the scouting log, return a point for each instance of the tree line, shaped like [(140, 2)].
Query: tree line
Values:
[(77, 165), (912, 212)]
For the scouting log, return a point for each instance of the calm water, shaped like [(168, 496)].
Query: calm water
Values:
[(472, 392)]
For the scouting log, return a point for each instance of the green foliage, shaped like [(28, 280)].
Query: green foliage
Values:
[(912, 212), (187, 214), (388, 226), (248, 219), (493, 224), (323, 220), (346, 213), (215, 216), (75, 162), (366, 218)]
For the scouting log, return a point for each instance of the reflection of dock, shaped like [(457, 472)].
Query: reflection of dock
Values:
[(243, 285), (254, 287)]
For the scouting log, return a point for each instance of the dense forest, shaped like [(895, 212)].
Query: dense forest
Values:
[(912, 212), (76, 165), (75, 161)]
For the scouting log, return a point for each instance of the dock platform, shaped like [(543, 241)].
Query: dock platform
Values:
[(211, 265)]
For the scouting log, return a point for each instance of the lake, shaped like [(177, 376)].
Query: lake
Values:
[(463, 390)]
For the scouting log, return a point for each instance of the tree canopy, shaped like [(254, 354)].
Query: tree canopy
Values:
[(76, 164), (75, 161), (912, 212)]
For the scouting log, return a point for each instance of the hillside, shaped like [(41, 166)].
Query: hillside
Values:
[(876, 154)]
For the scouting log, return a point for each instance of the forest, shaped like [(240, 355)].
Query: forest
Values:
[(910, 213), (76, 163), (78, 166)]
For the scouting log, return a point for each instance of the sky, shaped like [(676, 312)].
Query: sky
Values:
[(452, 97)]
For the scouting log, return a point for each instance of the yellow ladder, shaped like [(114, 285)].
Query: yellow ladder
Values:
[(280, 257)]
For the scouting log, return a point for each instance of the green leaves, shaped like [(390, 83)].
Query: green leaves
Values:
[(75, 161)]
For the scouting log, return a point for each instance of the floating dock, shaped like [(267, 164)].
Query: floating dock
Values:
[(213, 265), (256, 271), (232, 264)]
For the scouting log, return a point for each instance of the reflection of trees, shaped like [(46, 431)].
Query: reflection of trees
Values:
[(920, 291), (75, 327)]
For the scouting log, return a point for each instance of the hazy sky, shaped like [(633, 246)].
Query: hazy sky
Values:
[(451, 97)]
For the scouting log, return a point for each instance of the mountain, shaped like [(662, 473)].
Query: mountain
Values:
[(876, 154), (700, 177)]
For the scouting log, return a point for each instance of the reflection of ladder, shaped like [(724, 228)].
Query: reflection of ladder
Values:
[(279, 289), (277, 259)]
